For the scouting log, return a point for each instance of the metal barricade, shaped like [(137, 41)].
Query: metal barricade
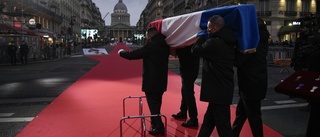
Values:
[(141, 116), (281, 56)]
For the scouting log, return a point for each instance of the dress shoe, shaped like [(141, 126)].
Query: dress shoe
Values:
[(190, 123), (179, 116), (155, 131)]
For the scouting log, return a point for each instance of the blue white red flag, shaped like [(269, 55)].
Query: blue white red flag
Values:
[(183, 30)]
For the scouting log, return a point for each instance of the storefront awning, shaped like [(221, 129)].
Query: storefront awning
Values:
[(289, 29), (8, 29)]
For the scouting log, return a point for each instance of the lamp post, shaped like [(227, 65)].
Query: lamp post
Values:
[(71, 25), (188, 8), (53, 7)]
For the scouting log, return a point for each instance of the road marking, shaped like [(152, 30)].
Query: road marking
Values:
[(77, 56), (21, 119), (285, 101), (26, 100), (6, 114), (284, 106)]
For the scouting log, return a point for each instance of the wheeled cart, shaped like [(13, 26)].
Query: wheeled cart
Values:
[(140, 116)]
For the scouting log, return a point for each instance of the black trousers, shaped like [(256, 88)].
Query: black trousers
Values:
[(189, 69), (188, 101), (13, 59), (250, 109), (216, 115), (24, 58), (313, 129), (154, 100)]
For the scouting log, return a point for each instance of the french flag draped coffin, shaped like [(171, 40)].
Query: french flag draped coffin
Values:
[(183, 30)]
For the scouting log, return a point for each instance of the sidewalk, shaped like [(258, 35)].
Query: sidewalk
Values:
[(30, 61)]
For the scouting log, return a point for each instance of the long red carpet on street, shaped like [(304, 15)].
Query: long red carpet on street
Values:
[(93, 105)]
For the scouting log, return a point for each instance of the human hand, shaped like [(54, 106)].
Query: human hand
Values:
[(201, 39), (120, 50)]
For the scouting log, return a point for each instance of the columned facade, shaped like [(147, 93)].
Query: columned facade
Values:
[(120, 29)]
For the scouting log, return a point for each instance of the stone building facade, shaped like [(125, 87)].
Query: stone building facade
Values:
[(120, 29)]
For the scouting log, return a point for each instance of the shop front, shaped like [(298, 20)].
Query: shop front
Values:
[(14, 32), (289, 33)]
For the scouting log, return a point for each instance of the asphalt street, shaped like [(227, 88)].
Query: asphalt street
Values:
[(27, 89)]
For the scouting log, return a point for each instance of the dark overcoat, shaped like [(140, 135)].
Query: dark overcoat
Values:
[(24, 49), (12, 50), (218, 55), (155, 55), (252, 69)]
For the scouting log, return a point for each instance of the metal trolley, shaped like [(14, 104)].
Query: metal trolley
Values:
[(141, 116)]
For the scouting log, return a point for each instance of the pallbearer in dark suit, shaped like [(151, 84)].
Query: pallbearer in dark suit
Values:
[(189, 69), (252, 81), (217, 85), (313, 129), (155, 56)]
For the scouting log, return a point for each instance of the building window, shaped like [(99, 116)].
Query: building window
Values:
[(264, 9), (291, 8), (291, 5), (264, 5), (305, 7), (268, 23)]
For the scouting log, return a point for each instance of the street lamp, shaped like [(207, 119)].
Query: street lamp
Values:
[(71, 25), (188, 8), (53, 7)]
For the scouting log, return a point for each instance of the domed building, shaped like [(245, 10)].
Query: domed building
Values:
[(120, 29)]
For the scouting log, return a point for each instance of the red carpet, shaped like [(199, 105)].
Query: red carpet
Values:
[(92, 106)]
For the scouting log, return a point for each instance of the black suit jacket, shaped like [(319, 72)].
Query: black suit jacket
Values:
[(155, 56), (218, 55), (252, 70)]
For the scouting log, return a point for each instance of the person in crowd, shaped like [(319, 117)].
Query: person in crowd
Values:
[(46, 52), (298, 59), (62, 49), (252, 81), (69, 46), (217, 87), (12, 52), (24, 51), (155, 56), (314, 119), (189, 68), (34, 51), (313, 65), (54, 50)]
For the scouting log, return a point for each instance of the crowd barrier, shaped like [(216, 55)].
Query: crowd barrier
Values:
[(280, 56), (38, 54), (277, 55)]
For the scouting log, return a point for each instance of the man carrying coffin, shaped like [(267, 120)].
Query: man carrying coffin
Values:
[(155, 56)]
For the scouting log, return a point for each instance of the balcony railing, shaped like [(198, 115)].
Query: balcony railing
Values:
[(179, 6), (290, 13), (264, 13), (39, 9), (303, 14), (85, 20)]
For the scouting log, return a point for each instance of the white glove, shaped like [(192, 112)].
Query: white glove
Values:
[(120, 50)]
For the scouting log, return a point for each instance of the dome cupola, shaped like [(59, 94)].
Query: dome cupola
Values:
[(120, 7)]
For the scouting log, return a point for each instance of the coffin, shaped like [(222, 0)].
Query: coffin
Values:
[(183, 30)]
